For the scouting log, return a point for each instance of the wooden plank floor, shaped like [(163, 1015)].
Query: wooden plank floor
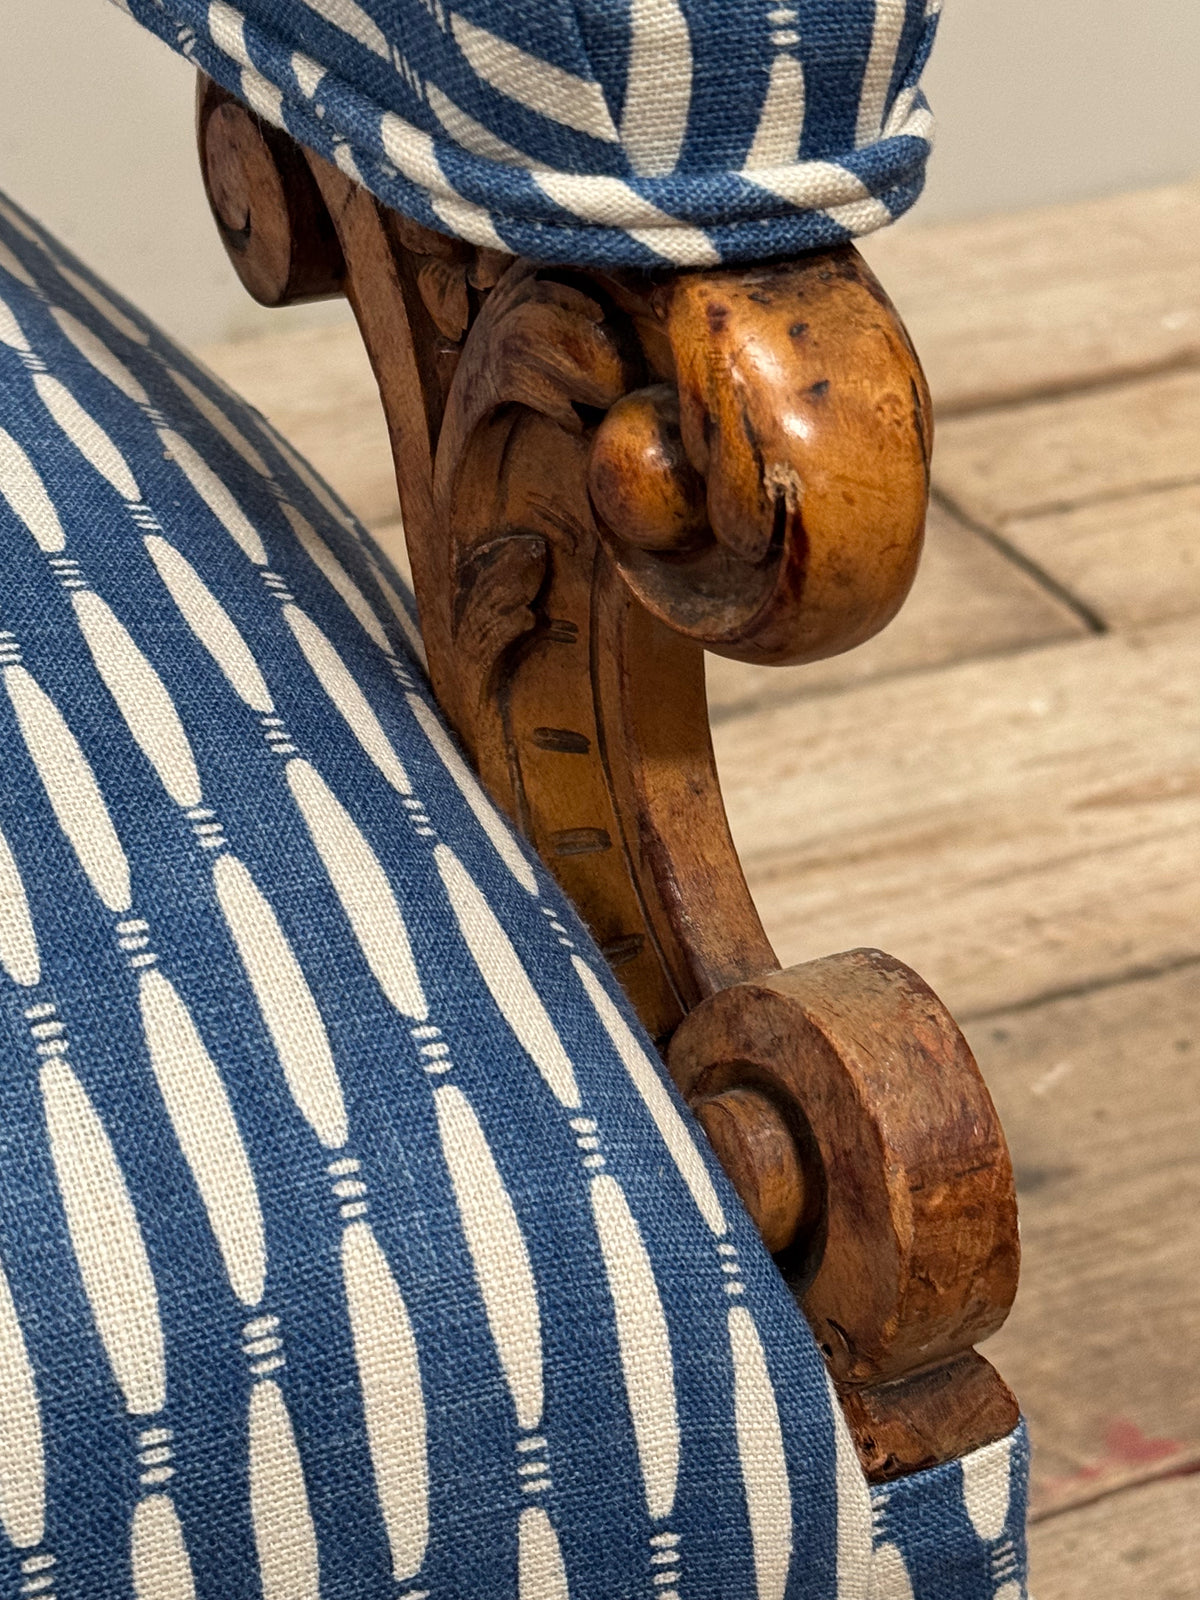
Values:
[(1004, 790)]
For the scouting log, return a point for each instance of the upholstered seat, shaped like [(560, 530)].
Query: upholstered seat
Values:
[(599, 132), (353, 1241)]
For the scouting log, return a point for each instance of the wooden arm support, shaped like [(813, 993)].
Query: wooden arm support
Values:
[(603, 475)]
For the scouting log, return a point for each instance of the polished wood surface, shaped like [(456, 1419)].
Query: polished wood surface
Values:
[(602, 476), (796, 422)]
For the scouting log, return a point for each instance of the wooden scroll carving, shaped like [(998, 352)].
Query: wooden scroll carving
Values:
[(603, 475)]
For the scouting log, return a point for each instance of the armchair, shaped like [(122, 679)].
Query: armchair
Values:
[(630, 423)]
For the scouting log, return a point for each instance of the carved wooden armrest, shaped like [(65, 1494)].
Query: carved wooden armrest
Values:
[(601, 477)]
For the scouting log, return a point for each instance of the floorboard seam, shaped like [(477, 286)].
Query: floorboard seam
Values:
[(1065, 389), (1091, 619), (1077, 991), (1140, 1478)]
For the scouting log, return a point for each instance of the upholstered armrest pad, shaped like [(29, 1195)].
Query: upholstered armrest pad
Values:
[(350, 1234), (596, 132)]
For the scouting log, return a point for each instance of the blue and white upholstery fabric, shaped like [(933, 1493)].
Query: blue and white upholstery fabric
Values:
[(602, 133), (352, 1242)]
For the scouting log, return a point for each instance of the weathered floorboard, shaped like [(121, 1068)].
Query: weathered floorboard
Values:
[(1132, 561), (1035, 302), (315, 385), (1010, 829), (1051, 454), (1097, 1095), (1141, 1545)]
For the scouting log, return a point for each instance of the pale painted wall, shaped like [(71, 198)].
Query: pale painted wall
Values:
[(1038, 101), (97, 139)]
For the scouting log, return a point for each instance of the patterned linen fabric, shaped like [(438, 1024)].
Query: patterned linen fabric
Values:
[(351, 1240), (594, 132)]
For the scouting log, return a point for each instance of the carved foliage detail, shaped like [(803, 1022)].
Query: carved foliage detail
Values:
[(542, 362)]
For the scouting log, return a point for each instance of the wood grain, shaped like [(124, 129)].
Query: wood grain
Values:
[(1142, 1545), (1009, 831), (1035, 303), (1133, 560), (1050, 455), (1098, 1094), (315, 385), (903, 1243), (269, 215), (758, 1149), (803, 409), (969, 600)]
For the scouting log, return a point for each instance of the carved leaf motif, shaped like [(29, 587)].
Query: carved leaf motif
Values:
[(545, 348), (422, 241), (539, 343), (488, 268), (495, 593), (443, 287)]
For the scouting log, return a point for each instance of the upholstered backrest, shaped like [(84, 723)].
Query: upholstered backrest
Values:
[(598, 132)]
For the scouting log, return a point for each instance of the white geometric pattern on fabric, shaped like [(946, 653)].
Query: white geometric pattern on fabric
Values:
[(107, 1241), (71, 788), (197, 1103), (541, 1574), (658, 90), (593, 132), (781, 123), (22, 1456), (158, 1557), (285, 1000), (289, 1566), (362, 886), (330, 672), (854, 1512), (18, 942), (498, 1251), (674, 1130), (211, 624), (542, 87), (764, 1467), (393, 1403), (486, 815), (507, 979), (644, 1343), (26, 494), (140, 696), (987, 1479)]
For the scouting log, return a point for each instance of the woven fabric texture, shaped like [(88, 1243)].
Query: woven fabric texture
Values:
[(352, 1242), (594, 132)]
